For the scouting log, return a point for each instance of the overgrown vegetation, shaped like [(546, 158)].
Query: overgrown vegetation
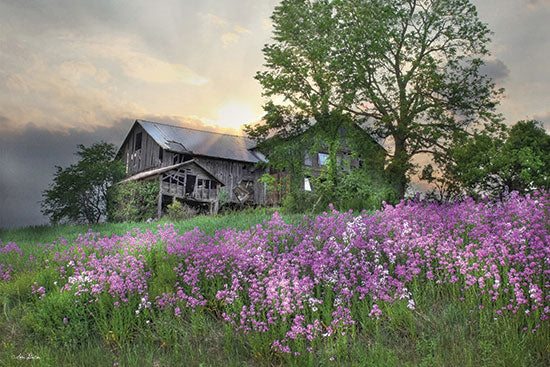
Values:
[(178, 211), (133, 201)]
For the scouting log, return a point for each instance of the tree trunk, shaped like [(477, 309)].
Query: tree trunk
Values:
[(398, 167)]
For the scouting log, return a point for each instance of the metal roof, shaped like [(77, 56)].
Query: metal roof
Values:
[(158, 171), (199, 142)]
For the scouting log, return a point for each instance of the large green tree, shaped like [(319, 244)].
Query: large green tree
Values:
[(79, 192), (407, 71), (484, 164)]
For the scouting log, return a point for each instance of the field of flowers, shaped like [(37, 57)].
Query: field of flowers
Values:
[(415, 284)]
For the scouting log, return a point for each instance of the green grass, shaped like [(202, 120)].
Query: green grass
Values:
[(439, 332), (30, 236)]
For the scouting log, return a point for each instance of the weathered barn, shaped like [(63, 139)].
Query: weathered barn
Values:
[(193, 165)]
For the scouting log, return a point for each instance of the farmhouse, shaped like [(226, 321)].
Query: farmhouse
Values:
[(193, 165)]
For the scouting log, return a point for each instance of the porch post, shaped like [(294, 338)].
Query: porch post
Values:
[(159, 205)]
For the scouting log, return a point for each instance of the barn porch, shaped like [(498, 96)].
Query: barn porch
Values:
[(188, 182)]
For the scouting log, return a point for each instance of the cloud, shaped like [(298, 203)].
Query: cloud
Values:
[(28, 157), (214, 19), (135, 62), (240, 29), (60, 97), (536, 3), (267, 24), (76, 69), (496, 70), (229, 38)]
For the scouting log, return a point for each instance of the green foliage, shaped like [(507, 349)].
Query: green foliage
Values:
[(79, 192), (487, 164), (357, 190), (223, 197), (133, 201), (299, 201), (360, 190), (410, 69), (61, 319), (178, 211)]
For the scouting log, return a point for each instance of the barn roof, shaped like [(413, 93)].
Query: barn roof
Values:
[(158, 171), (205, 143)]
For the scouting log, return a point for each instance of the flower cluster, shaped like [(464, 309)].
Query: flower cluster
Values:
[(305, 281)]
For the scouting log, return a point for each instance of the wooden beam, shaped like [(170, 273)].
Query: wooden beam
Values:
[(159, 205)]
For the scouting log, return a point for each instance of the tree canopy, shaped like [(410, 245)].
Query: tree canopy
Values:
[(78, 193), (407, 71), (484, 164)]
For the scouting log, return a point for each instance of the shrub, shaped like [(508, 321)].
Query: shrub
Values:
[(133, 201), (355, 190), (177, 211)]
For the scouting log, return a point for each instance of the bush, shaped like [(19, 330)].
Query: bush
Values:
[(177, 211), (359, 190), (355, 190), (299, 202), (133, 201)]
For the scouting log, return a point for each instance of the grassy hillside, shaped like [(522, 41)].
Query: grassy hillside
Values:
[(30, 236), (415, 285)]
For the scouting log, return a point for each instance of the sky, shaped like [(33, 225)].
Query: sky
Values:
[(78, 71)]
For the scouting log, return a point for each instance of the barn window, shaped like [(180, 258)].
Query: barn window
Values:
[(139, 136), (307, 184), (307, 159), (161, 154), (323, 158)]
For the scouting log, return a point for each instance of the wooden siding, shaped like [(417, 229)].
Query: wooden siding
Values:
[(145, 158), (232, 173)]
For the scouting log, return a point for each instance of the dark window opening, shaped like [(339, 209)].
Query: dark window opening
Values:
[(137, 145), (190, 184), (161, 154)]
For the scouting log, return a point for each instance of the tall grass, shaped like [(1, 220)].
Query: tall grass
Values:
[(412, 285)]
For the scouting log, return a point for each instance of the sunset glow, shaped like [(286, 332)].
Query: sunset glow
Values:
[(234, 115)]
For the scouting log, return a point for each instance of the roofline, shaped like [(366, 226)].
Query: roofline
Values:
[(160, 170), (214, 157), (139, 121), (190, 128)]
